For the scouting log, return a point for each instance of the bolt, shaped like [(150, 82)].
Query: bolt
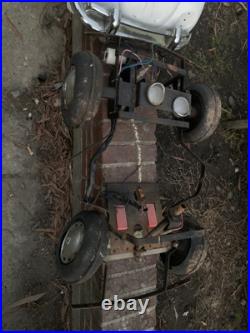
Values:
[(175, 244), (138, 234), (237, 169)]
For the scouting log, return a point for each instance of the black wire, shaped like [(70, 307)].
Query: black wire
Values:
[(202, 173), (131, 174), (92, 163), (121, 198), (88, 147)]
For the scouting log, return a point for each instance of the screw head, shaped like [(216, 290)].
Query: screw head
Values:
[(175, 244)]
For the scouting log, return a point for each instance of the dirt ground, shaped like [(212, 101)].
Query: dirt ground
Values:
[(216, 296), (33, 45)]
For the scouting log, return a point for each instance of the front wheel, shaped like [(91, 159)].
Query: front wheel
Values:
[(82, 246)]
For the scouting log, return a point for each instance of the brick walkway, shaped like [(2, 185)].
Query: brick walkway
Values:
[(131, 156)]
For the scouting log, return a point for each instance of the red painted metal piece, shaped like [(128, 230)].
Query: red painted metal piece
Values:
[(151, 213), (121, 218)]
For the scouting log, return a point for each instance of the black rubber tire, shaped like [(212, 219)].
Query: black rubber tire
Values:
[(195, 252), (92, 251), (87, 90), (207, 105)]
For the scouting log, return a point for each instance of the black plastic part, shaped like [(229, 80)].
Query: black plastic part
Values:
[(206, 113), (92, 251), (87, 88)]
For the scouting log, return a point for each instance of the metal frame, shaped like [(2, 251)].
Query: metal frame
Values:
[(156, 292), (78, 171), (127, 95)]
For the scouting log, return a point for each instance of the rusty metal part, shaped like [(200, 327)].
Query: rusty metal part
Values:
[(159, 228), (155, 292), (139, 194), (134, 213), (138, 220), (165, 238), (177, 210)]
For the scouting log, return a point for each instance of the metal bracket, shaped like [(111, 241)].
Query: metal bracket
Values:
[(152, 293)]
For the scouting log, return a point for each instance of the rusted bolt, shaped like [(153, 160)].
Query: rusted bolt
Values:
[(139, 194), (177, 210)]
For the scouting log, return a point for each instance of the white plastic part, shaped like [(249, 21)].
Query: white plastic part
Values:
[(158, 17), (110, 56), (156, 93), (181, 107)]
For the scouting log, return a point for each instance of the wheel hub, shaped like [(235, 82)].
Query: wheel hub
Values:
[(72, 242)]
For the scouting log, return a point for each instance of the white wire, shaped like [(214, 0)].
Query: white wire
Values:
[(122, 54)]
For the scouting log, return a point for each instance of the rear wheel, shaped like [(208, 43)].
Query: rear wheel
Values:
[(205, 114), (82, 246), (190, 253)]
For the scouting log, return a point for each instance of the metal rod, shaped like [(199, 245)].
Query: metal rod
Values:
[(157, 292), (165, 238), (159, 121)]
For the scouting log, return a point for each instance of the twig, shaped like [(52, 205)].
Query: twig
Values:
[(14, 27), (27, 300), (243, 6)]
